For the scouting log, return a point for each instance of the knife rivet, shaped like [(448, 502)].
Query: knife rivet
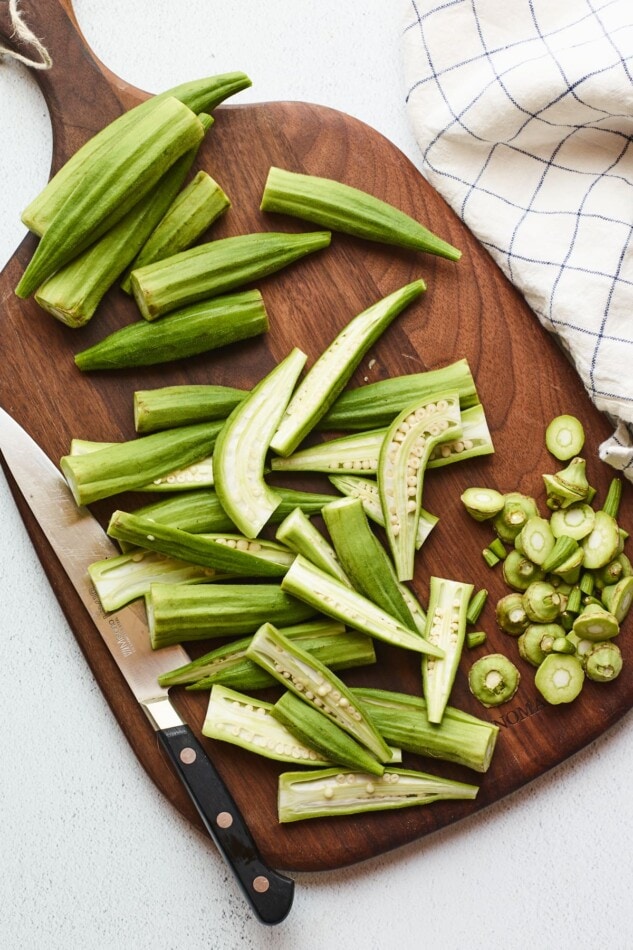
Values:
[(224, 819), (187, 755), (261, 884)]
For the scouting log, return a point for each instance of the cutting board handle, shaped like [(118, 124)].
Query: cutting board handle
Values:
[(81, 93)]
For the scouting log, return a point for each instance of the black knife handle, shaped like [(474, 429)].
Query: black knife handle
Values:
[(269, 893)]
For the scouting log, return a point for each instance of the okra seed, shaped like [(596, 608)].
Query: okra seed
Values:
[(343, 701), (328, 792), (340, 779), (370, 788), (350, 779)]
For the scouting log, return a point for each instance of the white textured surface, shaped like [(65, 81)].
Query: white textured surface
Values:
[(90, 856)]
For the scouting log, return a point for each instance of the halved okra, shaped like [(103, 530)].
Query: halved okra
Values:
[(217, 267), (127, 466), (330, 792), (334, 744), (177, 613), (402, 719), (334, 367), (376, 405), (330, 641), (249, 723), (445, 628), (364, 559), (366, 490), (401, 466), (298, 533), (187, 217), (341, 207), (327, 595), (300, 672), (120, 580), (230, 554), (240, 451), (196, 475), (74, 292), (167, 407), (126, 172), (200, 95), (206, 325)]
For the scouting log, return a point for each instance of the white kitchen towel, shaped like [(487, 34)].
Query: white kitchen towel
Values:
[(523, 111)]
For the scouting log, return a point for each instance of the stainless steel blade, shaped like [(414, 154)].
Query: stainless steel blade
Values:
[(78, 539)]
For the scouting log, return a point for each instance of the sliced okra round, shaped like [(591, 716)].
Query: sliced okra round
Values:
[(559, 678), (564, 437), (493, 679), (604, 662)]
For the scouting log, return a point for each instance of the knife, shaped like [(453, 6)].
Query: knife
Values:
[(77, 540)]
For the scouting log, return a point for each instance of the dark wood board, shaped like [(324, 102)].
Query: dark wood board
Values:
[(470, 310)]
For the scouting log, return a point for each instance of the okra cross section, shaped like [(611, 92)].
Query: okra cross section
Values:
[(329, 792), (314, 587), (240, 451), (403, 458), (316, 684)]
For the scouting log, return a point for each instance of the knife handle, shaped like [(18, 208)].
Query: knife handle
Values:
[(269, 893)]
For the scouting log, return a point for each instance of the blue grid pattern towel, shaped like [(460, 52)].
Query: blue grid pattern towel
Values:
[(524, 115)]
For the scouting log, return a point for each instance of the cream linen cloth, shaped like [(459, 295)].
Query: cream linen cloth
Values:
[(523, 110)]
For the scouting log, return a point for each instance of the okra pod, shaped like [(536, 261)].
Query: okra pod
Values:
[(340, 207), (170, 406), (445, 628), (327, 595), (403, 720), (250, 724), (217, 267), (364, 559), (376, 405), (329, 792), (334, 367), (187, 217), (300, 672), (120, 580), (200, 95), (178, 613), (73, 294), (229, 554), (329, 641), (125, 173), (127, 466), (207, 325), (240, 451), (301, 536), (401, 467)]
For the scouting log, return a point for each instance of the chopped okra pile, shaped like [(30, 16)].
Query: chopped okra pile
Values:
[(222, 552), (571, 582)]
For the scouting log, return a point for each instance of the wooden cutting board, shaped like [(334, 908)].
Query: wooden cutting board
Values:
[(470, 310)]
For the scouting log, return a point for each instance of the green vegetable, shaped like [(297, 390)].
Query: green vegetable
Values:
[(542, 602), (517, 508), (614, 496), (200, 95), (519, 572), (189, 215), (127, 466), (446, 629), (576, 521), (563, 549), (603, 663), (569, 486), (177, 613), (340, 207), (125, 173), (482, 503), (537, 641), (595, 623), (401, 467), (304, 675), (601, 545), (73, 294), (298, 533), (327, 595), (564, 437), (559, 678), (511, 615), (311, 726), (476, 605), (240, 452), (334, 367), (493, 679), (217, 267), (170, 406), (330, 792), (196, 329), (403, 720), (249, 723), (618, 598), (377, 404), (475, 638), (535, 540)]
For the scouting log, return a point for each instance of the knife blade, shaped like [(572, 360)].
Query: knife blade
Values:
[(78, 539)]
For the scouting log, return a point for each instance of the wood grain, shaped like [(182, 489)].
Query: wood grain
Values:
[(470, 310)]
